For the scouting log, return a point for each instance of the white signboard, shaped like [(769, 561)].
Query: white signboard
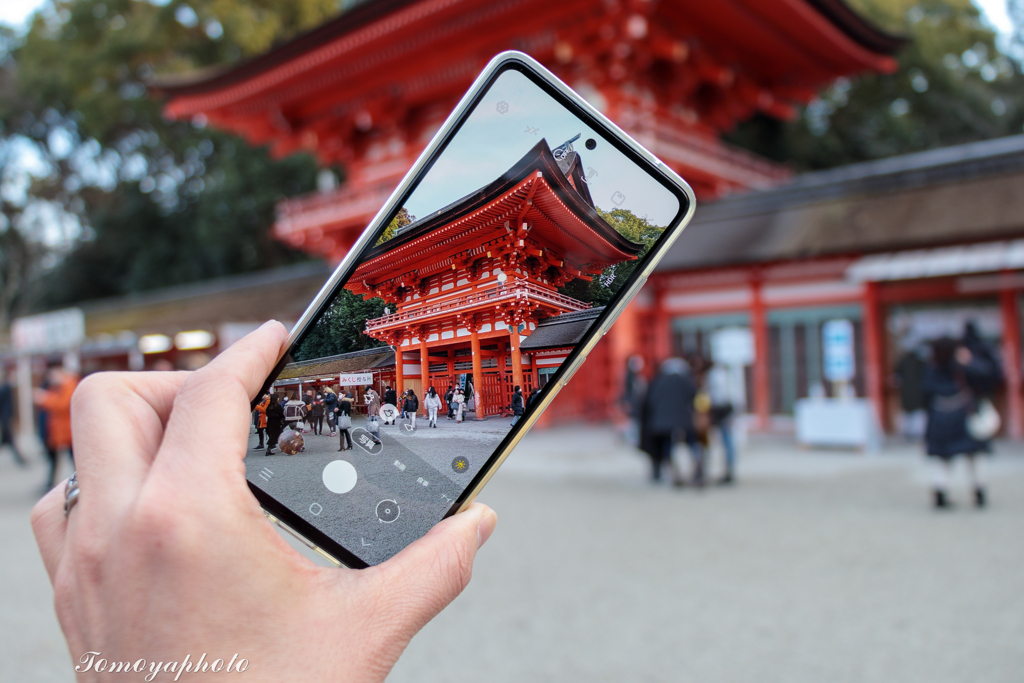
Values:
[(838, 350), (355, 379), (57, 331), (733, 346)]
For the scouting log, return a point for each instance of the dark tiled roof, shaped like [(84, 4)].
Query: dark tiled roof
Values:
[(944, 196), (561, 330), (280, 293), (356, 361)]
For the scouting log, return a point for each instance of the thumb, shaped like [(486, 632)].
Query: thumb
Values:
[(426, 576)]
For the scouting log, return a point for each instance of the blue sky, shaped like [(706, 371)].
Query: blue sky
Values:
[(513, 116)]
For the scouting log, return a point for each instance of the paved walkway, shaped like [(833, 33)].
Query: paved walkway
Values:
[(817, 566)]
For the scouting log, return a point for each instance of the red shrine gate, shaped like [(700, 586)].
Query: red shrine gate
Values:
[(485, 273), (368, 89)]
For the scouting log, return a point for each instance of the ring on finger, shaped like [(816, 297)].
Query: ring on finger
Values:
[(71, 493)]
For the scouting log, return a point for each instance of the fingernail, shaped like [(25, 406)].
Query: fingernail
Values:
[(486, 527)]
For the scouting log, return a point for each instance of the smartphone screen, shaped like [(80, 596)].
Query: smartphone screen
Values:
[(455, 319)]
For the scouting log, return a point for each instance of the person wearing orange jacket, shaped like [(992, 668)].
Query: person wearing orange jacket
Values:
[(261, 420), (56, 401)]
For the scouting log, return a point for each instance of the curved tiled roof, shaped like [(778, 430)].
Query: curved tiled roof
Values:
[(951, 195), (356, 361)]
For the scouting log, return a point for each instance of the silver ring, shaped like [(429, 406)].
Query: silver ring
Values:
[(70, 493)]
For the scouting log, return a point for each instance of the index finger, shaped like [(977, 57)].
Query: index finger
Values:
[(207, 432)]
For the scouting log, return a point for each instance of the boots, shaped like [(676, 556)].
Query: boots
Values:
[(979, 497), (941, 501)]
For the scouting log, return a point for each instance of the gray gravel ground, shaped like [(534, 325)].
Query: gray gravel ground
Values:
[(817, 566)]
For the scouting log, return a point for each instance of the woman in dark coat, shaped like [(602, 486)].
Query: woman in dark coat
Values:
[(410, 405), (344, 421), (667, 414), (275, 422), (330, 409), (316, 414), (950, 400)]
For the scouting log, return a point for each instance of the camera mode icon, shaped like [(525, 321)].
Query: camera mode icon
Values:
[(388, 511), (367, 441)]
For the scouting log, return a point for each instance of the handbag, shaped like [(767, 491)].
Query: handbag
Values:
[(984, 424), (344, 421)]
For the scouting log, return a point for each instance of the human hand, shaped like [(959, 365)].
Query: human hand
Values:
[(168, 554)]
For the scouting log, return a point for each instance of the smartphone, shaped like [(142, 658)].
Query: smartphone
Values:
[(521, 232)]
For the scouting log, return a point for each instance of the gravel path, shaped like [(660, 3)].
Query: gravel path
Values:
[(817, 566)]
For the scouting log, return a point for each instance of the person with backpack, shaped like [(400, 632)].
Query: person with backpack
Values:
[(411, 405), (957, 383), (449, 397), (344, 422)]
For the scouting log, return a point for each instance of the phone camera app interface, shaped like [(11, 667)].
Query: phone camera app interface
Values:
[(453, 321)]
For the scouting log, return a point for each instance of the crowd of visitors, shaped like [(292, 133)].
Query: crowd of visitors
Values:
[(684, 404), (330, 413)]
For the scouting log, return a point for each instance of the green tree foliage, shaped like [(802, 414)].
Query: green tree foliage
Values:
[(952, 86), (156, 202), (135, 245), (341, 328), (401, 219), (602, 288)]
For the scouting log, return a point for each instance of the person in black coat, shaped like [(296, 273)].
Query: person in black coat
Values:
[(518, 404), (275, 422), (448, 396), (331, 410), (344, 404), (667, 414), (532, 398), (952, 387)]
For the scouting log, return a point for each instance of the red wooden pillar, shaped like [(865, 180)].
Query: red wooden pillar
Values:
[(424, 369), (1012, 364), (517, 358), (478, 375), (623, 343), (874, 352), (662, 329), (399, 370), (759, 328)]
